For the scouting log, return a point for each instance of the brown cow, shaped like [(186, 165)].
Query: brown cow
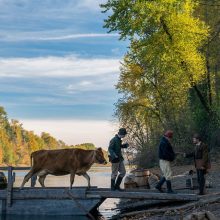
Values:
[(62, 162)]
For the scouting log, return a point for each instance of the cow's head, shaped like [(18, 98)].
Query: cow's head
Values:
[(99, 157)]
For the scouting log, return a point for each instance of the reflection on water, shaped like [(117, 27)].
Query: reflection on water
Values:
[(109, 208), (99, 176)]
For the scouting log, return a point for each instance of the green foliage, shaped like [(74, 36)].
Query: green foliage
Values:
[(85, 146), (50, 142), (165, 81)]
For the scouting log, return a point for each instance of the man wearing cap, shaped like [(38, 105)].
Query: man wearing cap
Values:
[(201, 159), (116, 159), (166, 156)]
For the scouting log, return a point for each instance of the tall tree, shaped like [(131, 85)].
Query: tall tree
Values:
[(163, 64)]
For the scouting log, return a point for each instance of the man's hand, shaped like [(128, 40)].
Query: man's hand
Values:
[(126, 145), (116, 160)]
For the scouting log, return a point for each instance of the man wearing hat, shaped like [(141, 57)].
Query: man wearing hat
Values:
[(116, 159), (166, 156), (201, 160)]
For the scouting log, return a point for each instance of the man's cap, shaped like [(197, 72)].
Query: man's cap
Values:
[(197, 136), (122, 131), (168, 134)]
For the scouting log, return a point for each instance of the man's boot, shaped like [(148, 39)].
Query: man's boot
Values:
[(118, 182), (201, 188), (201, 181), (112, 184), (160, 183), (169, 187)]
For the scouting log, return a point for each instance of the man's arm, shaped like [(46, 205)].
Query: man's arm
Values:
[(111, 149), (188, 155), (126, 145), (168, 151), (205, 155)]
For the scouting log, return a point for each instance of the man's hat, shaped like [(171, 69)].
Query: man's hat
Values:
[(197, 136), (122, 131), (168, 134)]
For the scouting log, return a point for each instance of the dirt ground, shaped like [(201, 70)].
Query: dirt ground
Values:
[(171, 211)]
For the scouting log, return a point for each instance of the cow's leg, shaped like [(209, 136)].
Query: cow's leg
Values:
[(42, 175), (33, 180), (72, 176), (41, 180), (27, 177), (88, 179)]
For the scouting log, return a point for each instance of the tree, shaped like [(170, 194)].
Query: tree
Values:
[(162, 67), (85, 146), (17, 140), (208, 11), (50, 142), (17, 144)]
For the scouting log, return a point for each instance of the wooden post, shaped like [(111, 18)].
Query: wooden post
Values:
[(10, 186)]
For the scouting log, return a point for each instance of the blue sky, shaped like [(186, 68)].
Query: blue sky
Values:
[(58, 68)]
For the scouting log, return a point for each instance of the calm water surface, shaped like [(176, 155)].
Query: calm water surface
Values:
[(99, 176)]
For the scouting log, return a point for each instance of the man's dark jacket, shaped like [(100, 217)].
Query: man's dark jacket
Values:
[(201, 156), (114, 148), (166, 150)]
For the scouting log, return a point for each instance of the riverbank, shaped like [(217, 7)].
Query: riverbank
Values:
[(176, 211)]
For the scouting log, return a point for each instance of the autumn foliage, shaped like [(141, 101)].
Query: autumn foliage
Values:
[(16, 143), (170, 75)]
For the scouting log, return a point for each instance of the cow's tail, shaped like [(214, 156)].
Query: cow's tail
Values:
[(31, 159)]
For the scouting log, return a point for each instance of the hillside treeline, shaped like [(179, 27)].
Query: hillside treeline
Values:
[(170, 75), (16, 143)]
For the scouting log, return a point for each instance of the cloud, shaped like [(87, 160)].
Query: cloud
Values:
[(75, 36), (92, 5), (102, 83), (41, 77), (49, 10), (50, 35), (49, 7), (51, 20), (20, 93), (69, 66), (75, 132)]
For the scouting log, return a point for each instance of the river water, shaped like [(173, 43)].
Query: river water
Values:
[(99, 176)]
